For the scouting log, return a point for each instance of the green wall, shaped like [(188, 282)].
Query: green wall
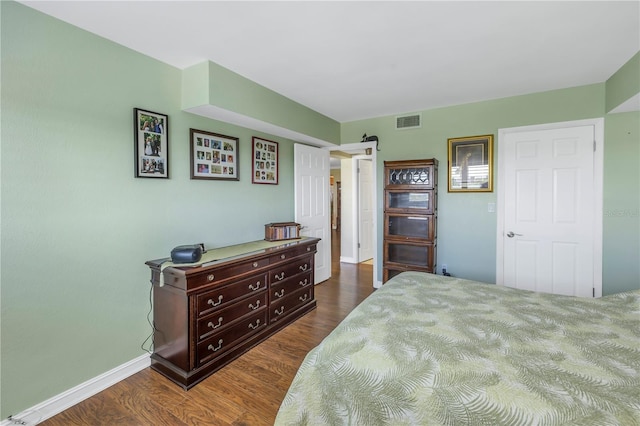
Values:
[(624, 83), (77, 227), (621, 215), (466, 230), (208, 83)]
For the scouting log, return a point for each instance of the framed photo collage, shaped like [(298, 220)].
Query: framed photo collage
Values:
[(212, 155)]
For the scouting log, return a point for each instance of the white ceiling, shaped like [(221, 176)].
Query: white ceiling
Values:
[(362, 59)]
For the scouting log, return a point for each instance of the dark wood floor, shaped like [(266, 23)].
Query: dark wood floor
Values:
[(246, 392)]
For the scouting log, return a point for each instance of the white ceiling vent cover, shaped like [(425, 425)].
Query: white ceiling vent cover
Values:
[(413, 121)]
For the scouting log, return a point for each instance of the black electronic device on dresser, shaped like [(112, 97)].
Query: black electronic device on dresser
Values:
[(207, 316), (410, 216)]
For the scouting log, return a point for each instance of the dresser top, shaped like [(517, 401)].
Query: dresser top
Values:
[(221, 255)]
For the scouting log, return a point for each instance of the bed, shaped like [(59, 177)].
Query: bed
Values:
[(433, 350)]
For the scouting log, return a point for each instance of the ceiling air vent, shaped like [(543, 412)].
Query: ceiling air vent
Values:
[(408, 122)]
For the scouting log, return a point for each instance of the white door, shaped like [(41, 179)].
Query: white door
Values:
[(313, 210), (549, 202), (365, 211)]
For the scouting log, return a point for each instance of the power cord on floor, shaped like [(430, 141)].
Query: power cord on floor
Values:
[(15, 421), (21, 420), (153, 327)]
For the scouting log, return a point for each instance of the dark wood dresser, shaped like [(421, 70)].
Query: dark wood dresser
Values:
[(206, 316)]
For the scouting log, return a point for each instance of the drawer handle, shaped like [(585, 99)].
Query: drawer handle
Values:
[(212, 303), (255, 264), (210, 277), (303, 283), (280, 277), (253, 308), (279, 311), (279, 294), (257, 287), (308, 248), (253, 327), (214, 326), (216, 348), (283, 256), (303, 299), (304, 267)]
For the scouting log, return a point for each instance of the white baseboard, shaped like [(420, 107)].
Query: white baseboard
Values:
[(61, 402), (344, 259)]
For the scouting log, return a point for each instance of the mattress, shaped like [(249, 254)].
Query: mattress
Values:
[(433, 350)]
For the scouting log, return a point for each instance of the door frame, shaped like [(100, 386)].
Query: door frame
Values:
[(358, 148), (598, 159)]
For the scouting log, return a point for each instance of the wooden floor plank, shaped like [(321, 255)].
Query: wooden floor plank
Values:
[(249, 390)]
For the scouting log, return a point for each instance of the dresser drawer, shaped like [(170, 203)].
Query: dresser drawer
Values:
[(220, 342), (217, 275), (285, 288), (218, 320), (288, 270), (288, 304), (219, 297), (292, 253)]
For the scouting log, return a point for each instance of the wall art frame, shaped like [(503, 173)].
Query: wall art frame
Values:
[(151, 144), (265, 161), (470, 166), (214, 156)]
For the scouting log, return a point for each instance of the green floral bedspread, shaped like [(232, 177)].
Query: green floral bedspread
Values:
[(433, 350)]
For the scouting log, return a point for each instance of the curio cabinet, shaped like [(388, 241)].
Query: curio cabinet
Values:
[(410, 215)]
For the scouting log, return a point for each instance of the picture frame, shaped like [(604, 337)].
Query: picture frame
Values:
[(214, 156), (264, 160), (151, 144), (471, 164)]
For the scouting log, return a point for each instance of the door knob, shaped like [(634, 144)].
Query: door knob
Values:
[(511, 234)]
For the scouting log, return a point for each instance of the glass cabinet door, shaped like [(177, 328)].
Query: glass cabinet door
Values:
[(407, 226), (409, 200), (390, 273), (410, 254), (422, 175)]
